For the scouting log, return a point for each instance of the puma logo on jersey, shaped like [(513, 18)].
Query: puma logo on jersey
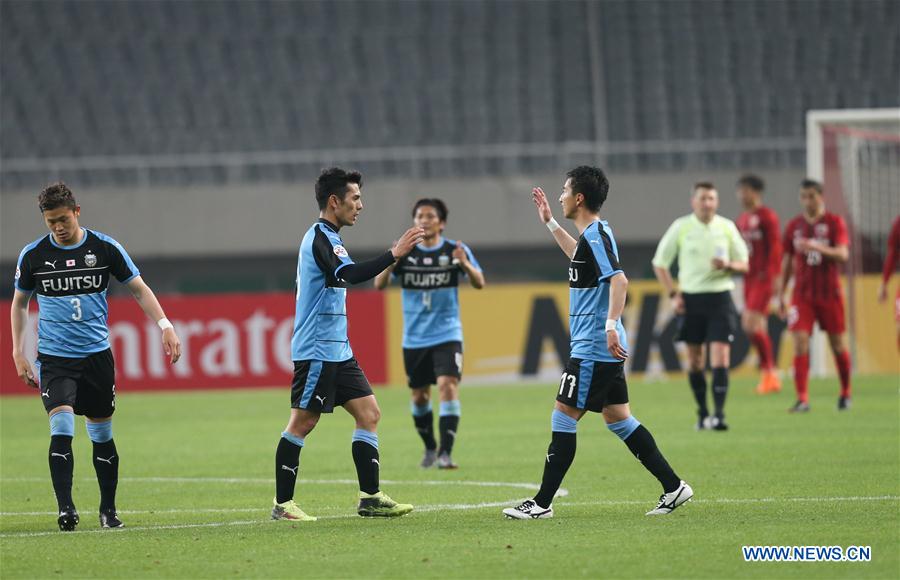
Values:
[(413, 261), (51, 264), (46, 393), (548, 456), (375, 461), (63, 455), (291, 469), (111, 457), (321, 399)]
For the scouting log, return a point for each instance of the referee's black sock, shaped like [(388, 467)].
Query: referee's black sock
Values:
[(720, 389), (62, 466), (698, 386), (106, 464), (287, 466), (643, 447)]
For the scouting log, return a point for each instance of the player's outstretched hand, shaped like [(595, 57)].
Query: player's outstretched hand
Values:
[(409, 240), (23, 369), (171, 344), (614, 346), (543, 207), (459, 255), (882, 292)]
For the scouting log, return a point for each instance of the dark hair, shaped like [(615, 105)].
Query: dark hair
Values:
[(56, 195), (592, 183), (703, 185), (334, 181), (811, 184), (439, 206), (754, 182)]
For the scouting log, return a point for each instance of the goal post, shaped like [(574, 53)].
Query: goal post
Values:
[(855, 153)]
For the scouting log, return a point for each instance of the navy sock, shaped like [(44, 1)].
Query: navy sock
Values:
[(643, 447), (560, 455), (62, 466), (106, 464), (425, 425), (287, 466), (365, 456)]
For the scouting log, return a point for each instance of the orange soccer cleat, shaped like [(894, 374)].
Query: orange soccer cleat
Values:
[(770, 382)]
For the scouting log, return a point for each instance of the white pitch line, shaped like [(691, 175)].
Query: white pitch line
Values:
[(448, 507), (267, 481), (453, 506)]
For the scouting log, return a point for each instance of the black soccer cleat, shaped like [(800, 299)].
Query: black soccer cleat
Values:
[(110, 519), (718, 424), (844, 404), (67, 520)]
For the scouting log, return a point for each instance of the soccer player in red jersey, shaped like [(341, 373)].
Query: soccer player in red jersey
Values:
[(814, 243), (760, 229), (890, 262)]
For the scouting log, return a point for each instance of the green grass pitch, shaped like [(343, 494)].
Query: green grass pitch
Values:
[(197, 470)]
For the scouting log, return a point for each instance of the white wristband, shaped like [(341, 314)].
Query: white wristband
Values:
[(611, 324), (164, 323), (552, 225)]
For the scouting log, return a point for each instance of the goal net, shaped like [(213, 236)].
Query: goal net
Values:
[(856, 154)]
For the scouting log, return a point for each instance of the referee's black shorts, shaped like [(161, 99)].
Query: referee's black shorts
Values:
[(708, 317)]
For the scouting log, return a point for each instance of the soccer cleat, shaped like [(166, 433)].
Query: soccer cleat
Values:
[(67, 520), (444, 462), (718, 424), (843, 404), (799, 407), (668, 502), (110, 519), (429, 458), (703, 423), (289, 510), (528, 510), (770, 382), (379, 505)]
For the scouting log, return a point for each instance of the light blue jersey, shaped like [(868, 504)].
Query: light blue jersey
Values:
[(71, 284), (596, 261), (320, 323), (430, 279)]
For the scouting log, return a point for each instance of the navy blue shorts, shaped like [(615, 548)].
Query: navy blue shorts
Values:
[(319, 386), (592, 385), (88, 384)]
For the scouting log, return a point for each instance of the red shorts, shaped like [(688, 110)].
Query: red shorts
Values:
[(828, 313), (757, 296)]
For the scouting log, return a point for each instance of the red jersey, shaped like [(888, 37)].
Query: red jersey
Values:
[(762, 233), (815, 277), (893, 251)]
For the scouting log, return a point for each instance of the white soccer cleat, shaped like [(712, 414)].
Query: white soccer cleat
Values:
[(528, 510), (669, 501)]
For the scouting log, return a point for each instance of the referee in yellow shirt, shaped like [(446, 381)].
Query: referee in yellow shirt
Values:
[(710, 250)]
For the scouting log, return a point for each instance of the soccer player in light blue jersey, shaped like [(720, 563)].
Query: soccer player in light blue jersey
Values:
[(432, 331), (326, 374), (594, 378), (70, 270)]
